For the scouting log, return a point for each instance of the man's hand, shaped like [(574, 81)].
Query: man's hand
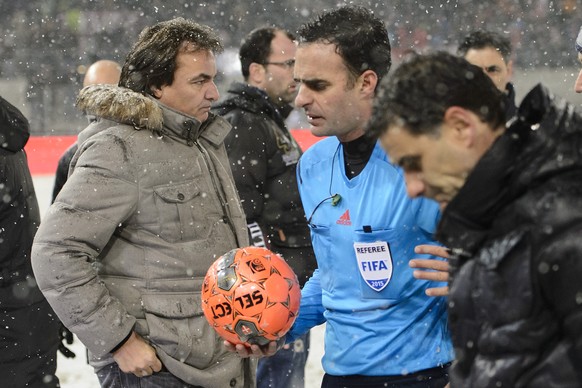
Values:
[(437, 270), (255, 350), (65, 335), (138, 357)]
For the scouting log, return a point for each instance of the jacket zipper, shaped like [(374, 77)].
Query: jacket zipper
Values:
[(208, 164)]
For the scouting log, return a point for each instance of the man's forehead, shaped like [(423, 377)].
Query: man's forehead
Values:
[(313, 65), (484, 55), (306, 72), (195, 55), (318, 53), (282, 45), (399, 143)]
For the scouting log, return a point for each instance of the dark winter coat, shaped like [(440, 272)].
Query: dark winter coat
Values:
[(509, 97), (19, 214), (263, 156), (149, 205), (516, 274), (62, 172), (28, 327)]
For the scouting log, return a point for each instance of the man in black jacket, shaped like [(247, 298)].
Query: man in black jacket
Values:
[(491, 51), (28, 326), (104, 71), (263, 157), (513, 216)]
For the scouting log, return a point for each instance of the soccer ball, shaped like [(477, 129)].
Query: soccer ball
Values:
[(250, 296)]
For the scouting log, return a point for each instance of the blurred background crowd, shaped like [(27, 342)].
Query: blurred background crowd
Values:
[(46, 45)]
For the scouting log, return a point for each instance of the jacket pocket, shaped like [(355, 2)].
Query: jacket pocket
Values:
[(181, 212), (177, 326), (392, 266)]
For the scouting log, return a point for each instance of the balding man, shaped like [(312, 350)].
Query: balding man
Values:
[(103, 71)]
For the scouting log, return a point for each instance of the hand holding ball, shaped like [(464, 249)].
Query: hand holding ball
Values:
[(250, 296)]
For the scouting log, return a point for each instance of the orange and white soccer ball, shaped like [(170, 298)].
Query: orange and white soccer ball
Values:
[(250, 296)]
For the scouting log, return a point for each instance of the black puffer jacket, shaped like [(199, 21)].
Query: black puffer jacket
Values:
[(264, 157), (19, 213), (515, 300), (28, 327)]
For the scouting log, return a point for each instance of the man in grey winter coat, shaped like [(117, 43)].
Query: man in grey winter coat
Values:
[(149, 205)]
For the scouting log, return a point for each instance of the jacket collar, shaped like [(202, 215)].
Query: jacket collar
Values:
[(534, 148), (252, 99), (125, 106)]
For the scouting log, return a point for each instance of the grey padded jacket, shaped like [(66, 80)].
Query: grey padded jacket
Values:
[(150, 203)]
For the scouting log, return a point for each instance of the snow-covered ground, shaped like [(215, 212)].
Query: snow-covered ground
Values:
[(76, 373)]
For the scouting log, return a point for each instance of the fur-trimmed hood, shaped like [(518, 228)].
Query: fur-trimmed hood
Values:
[(121, 105), (124, 106)]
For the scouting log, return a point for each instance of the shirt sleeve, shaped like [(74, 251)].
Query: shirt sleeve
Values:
[(310, 311)]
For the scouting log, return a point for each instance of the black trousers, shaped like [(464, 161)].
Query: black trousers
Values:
[(29, 341), (429, 378)]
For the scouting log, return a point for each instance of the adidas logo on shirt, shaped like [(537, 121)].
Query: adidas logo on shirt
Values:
[(344, 219)]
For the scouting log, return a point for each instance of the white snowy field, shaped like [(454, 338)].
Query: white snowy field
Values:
[(76, 373)]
